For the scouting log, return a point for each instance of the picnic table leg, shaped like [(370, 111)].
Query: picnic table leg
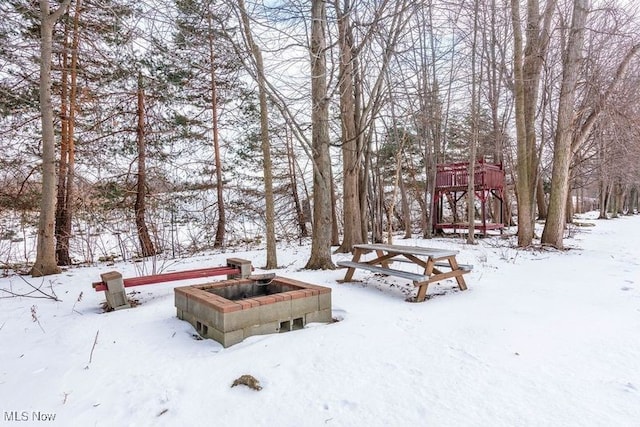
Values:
[(423, 286), (454, 266), (349, 274), (422, 291), (385, 263)]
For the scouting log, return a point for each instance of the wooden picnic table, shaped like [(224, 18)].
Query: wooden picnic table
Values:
[(430, 260)]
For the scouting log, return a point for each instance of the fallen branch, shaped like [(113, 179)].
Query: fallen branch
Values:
[(95, 341), (36, 290)]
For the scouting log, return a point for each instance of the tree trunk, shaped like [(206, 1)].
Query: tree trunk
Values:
[(475, 107), (272, 260), (432, 128), (364, 191), (406, 211), (527, 69), (376, 195), (604, 199), (146, 245), (222, 217), (614, 200), (540, 200), (523, 184), (631, 200), (569, 209), (321, 240), (351, 162), (45, 262), (272, 257), (293, 176), (396, 179), (554, 226), (620, 199), (62, 243), (335, 232)]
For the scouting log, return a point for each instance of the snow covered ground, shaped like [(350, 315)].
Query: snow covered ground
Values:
[(541, 338)]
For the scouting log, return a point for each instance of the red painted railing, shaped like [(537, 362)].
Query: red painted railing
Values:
[(457, 175)]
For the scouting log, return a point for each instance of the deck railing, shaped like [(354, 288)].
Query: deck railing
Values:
[(486, 175)]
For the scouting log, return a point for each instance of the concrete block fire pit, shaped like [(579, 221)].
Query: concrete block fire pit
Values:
[(232, 310)]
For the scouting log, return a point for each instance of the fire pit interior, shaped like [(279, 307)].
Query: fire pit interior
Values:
[(231, 310), (250, 290)]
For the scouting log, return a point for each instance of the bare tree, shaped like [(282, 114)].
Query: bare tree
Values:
[(68, 109), (475, 113), (575, 125), (321, 240), (527, 66), (146, 245), (554, 226), (45, 262), (215, 131), (351, 149), (272, 260)]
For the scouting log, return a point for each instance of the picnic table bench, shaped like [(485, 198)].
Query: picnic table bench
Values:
[(430, 260)]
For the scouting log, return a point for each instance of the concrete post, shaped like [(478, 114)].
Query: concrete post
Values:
[(115, 293), (242, 264)]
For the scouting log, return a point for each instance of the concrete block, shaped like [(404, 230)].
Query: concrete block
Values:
[(263, 329), (180, 300), (275, 312), (324, 301), (239, 319), (301, 306), (242, 264), (115, 293), (322, 316), (202, 311), (230, 338)]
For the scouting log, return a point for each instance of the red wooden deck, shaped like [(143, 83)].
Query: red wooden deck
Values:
[(455, 176), (452, 183)]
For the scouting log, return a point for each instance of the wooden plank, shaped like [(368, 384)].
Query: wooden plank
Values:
[(467, 267), (171, 277), (388, 271), (454, 273), (411, 250)]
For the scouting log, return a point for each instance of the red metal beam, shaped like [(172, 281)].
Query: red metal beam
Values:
[(170, 277)]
